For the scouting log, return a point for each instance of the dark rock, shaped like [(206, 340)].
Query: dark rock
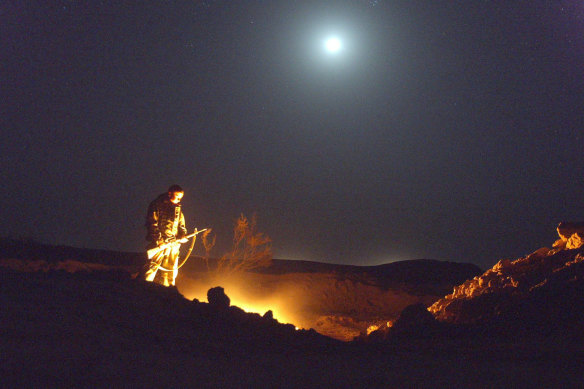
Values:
[(415, 320), (217, 298)]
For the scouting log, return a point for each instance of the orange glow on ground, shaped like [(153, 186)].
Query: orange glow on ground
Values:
[(307, 301), (375, 327), (262, 309), (246, 302)]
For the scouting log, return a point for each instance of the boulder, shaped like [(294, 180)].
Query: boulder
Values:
[(415, 320), (217, 298)]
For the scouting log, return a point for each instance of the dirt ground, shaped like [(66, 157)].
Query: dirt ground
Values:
[(106, 330)]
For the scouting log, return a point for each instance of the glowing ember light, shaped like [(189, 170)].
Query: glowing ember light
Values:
[(371, 329), (279, 309), (375, 327)]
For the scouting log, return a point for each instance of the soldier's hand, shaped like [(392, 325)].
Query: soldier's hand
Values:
[(183, 240)]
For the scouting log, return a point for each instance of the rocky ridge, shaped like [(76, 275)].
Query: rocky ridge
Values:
[(509, 283)]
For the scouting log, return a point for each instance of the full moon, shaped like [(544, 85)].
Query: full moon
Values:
[(332, 45)]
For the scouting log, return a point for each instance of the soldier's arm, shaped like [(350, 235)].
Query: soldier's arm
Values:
[(152, 218), (182, 230)]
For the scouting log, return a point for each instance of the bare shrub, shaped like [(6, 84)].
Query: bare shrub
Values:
[(251, 249), (208, 242)]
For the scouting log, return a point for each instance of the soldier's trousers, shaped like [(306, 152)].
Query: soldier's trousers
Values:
[(165, 264)]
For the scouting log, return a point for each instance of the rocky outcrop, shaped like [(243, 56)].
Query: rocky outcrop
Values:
[(571, 235), (509, 283)]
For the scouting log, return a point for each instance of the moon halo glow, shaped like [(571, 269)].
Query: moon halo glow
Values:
[(332, 45)]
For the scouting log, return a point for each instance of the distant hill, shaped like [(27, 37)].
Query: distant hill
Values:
[(33, 250)]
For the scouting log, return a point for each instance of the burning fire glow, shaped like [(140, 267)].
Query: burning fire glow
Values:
[(260, 309), (248, 303)]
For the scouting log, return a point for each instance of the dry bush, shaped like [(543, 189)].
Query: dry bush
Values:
[(208, 242), (251, 249)]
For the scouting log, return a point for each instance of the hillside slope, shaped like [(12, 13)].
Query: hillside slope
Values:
[(101, 327), (542, 291)]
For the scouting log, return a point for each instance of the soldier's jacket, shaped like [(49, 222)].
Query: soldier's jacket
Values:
[(164, 221)]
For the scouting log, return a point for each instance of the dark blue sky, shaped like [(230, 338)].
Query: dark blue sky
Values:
[(444, 129)]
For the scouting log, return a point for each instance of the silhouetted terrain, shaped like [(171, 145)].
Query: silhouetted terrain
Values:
[(75, 324), (339, 301), (102, 328)]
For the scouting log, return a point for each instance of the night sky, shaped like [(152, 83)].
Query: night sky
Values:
[(449, 130)]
